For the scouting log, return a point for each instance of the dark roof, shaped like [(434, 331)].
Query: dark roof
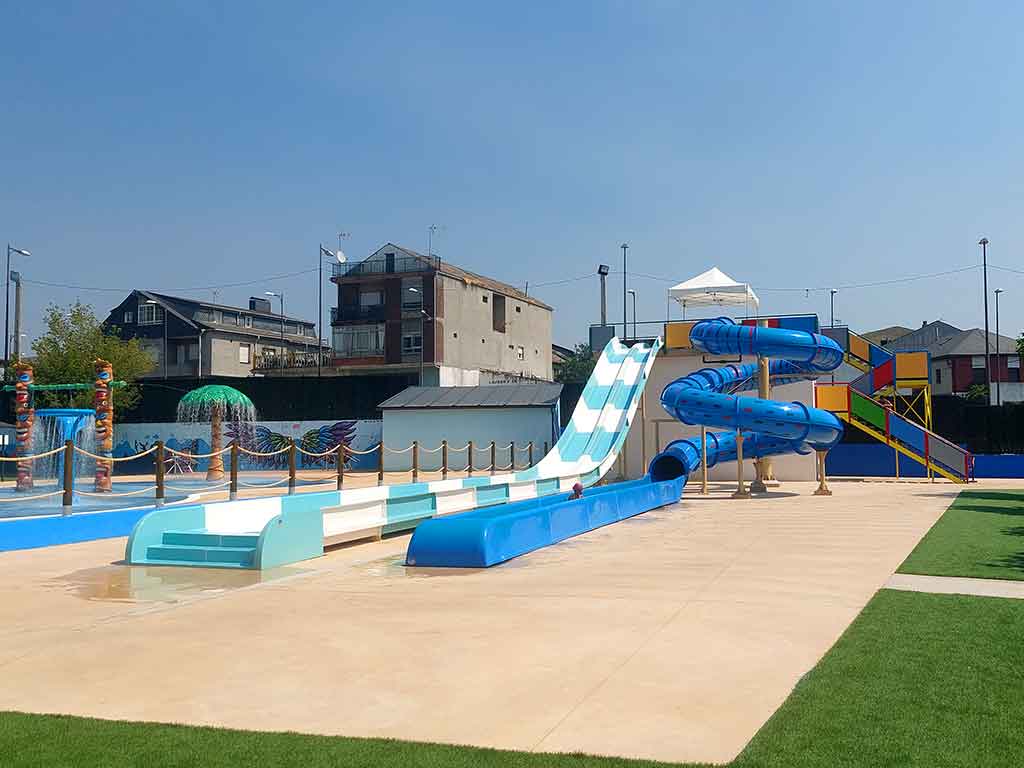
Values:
[(486, 396), (884, 336), (971, 342), (923, 337), (450, 270)]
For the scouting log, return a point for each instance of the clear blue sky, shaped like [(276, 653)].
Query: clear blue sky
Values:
[(795, 145)]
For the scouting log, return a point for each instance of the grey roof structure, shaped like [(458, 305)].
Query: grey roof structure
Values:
[(486, 396), (972, 342), (923, 337)]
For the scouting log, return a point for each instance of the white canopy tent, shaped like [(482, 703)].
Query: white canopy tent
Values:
[(713, 288)]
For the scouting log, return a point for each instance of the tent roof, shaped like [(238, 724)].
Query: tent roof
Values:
[(713, 287)]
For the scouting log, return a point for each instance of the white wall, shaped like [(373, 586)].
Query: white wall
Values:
[(460, 425), (668, 367)]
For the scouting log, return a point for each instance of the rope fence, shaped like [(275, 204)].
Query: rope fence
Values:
[(341, 453)]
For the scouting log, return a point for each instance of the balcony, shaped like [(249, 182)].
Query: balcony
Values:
[(265, 362), (386, 266), (349, 313)]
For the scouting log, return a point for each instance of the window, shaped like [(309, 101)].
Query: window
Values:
[(1013, 368), (359, 341), (371, 298), (248, 321), (412, 337), (129, 317), (938, 375), (498, 313), (230, 318), (243, 353), (520, 353), (485, 298), (978, 361), (518, 308), (150, 314), (412, 293)]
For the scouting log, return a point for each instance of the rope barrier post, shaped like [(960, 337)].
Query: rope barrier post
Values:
[(415, 460), (469, 459), (159, 462), (69, 476), (233, 487), (494, 454), (380, 462), (529, 456), (444, 459), (512, 455), (291, 465), (339, 459)]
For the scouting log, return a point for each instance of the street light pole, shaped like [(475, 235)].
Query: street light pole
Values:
[(625, 247), (340, 256), (602, 271), (832, 306), (278, 295), (632, 293), (999, 362), (984, 276), (7, 305)]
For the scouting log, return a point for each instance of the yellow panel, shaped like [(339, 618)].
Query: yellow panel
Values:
[(832, 397), (859, 347), (677, 335), (912, 365)]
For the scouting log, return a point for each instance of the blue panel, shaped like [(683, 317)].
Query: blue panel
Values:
[(32, 532), (906, 432), (411, 507), (879, 356), (808, 323)]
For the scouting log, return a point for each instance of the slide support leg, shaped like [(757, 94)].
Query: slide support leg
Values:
[(822, 489), (741, 489), (703, 460)]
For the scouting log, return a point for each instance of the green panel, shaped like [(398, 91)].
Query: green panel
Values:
[(869, 411)]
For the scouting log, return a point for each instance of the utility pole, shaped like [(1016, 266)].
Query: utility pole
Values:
[(602, 271), (984, 276), (625, 247), (832, 306), (7, 307), (999, 362)]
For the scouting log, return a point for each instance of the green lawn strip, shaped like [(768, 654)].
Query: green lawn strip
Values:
[(980, 535), (57, 741), (918, 680)]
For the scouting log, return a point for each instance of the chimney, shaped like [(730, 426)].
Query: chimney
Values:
[(924, 323)]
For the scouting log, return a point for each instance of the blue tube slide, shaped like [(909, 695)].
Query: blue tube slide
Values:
[(769, 427)]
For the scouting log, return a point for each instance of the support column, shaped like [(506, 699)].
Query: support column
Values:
[(703, 460), (741, 489), (822, 489), (763, 465), (24, 417), (103, 404)]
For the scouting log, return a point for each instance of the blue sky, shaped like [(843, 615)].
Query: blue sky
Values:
[(795, 145)]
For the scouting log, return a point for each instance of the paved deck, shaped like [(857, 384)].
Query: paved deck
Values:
[(957, 585), (673, 636)]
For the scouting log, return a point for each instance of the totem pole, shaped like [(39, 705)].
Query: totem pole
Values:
[(102, 401), (24, 416)]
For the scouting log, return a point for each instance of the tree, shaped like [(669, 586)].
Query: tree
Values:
[(65, 354), (1020, 344), (576, 369), (977, 393)]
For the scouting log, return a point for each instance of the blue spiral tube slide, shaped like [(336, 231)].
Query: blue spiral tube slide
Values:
[(769, 427)]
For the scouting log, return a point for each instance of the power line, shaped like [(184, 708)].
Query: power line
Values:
[(180, 290)]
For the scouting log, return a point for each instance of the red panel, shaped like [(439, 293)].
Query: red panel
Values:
[(773, 322), (882, 375)]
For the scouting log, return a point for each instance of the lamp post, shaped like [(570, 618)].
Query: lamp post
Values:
[(324, 253), (999, 362), (7, 305), (632, 293), (602, 271), (832, 306), (625, 247), (278, 295), (157, 304), (424, 318), (984, 277)]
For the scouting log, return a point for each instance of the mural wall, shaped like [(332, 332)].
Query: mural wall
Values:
[(264, 436)]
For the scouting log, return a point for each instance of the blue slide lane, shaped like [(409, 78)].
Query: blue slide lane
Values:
[(483, 537)]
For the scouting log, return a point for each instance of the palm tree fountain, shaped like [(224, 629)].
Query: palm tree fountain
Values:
[(216, 403)]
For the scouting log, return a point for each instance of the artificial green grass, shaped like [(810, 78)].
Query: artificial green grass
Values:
[(917, 680), (980, 535)]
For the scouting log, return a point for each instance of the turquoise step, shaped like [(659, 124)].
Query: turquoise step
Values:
[(201, 538), (202, 555)]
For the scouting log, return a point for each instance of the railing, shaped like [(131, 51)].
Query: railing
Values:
[(166, 460), (355, 312), (386, 266), (264, 362)]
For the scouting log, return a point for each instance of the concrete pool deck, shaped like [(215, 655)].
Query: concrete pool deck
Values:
[(671, 636)]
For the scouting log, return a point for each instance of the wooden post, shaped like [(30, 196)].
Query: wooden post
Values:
[(380, 462), (69, 476), (763, 465), (415, 460), (339, 462), (444, 459), (291, 465), (822, 489), (529, 455), (512, 456), (233, 479), (158, 458), (469, 459), (703, 460), (494, 455), (741, 489)]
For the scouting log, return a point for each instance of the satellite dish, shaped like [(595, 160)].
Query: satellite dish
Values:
[(340, 256)]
